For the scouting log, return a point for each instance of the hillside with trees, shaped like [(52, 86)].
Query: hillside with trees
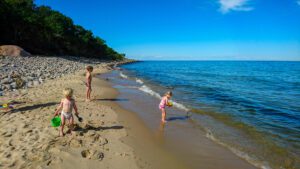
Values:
[(43, 31)]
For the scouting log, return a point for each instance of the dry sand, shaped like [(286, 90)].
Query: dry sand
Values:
[(28, 141)]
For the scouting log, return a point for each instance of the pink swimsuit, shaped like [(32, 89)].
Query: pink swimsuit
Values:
[(163, 103)]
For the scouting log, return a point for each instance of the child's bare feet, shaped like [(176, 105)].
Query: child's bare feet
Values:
[(164, 121), (61, 134)]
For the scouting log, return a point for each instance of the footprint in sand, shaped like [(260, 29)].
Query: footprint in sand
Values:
[(7, 134), (75, 143), (93, 137), (92, 154), (24, 125), (85, 153), (9, 142)]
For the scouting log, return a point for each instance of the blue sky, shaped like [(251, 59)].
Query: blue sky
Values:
[(191, 29)]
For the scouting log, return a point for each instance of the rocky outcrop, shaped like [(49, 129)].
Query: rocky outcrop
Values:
[(12, 50)]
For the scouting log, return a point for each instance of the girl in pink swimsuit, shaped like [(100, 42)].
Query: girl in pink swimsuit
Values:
[(163, 103)]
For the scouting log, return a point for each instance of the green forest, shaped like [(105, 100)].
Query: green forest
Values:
[(43, 31)]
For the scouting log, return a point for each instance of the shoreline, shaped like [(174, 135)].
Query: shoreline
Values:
[(179, 137), (148, 152)]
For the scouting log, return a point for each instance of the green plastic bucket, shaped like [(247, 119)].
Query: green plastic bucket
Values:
[(55, 122)]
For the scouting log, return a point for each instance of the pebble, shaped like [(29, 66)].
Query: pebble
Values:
[(35, 70), (35, 83)]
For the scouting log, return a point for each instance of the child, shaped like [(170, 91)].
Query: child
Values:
[(88, 76), (67, 104), (163, 103)]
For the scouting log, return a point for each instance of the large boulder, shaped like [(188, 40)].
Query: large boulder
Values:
[(12, 50)]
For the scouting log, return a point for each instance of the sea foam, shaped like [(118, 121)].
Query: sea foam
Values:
[(123, 75), (139, 81), (243, 155), (148, 90)]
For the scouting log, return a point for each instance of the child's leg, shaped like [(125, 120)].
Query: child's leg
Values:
[(87, 93), (163, 115), (61, 133), (70, 124)]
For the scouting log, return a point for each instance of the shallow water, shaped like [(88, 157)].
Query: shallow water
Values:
[(249, 107), (181, 136)]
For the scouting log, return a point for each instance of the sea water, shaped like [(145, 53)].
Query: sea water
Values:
[(250, 107)]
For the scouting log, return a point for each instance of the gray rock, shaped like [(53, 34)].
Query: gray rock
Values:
[(35, 83), (7, 86), (13, 85), (29, 78), (29, 84), (6, 80)]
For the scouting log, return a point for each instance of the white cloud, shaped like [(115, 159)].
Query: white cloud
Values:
[(234, 5)]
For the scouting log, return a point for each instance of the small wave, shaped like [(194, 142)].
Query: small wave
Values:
[(148, 90), (139, 81), (123, 76), (245, 156), (180, 106)]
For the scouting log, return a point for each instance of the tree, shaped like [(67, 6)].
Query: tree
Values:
[(41, 30)]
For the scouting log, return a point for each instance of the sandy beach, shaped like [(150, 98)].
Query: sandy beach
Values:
[(28, 140)]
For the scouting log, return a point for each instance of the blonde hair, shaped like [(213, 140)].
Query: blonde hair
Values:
[(89, 68), (168, 93), (68, 92)]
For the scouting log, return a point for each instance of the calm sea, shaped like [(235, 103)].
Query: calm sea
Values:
[(253, 108)]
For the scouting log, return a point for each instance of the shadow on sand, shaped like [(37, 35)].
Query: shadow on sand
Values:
[(178, 118), (31, 107), (101, 128), (109, 99)]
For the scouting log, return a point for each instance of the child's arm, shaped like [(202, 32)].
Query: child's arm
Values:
[(58, 108), (167, 101), (88, 79), (75, 108), (76, 112)]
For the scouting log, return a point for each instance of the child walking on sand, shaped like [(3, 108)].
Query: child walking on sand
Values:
[(163, 103), (66, 106), (88, 76)]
